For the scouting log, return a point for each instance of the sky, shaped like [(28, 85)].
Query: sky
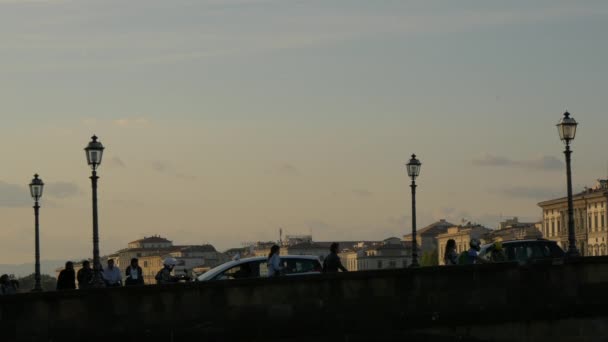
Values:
[(224, 120)]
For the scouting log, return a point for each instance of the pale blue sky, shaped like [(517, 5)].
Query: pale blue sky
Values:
[(225, 119)]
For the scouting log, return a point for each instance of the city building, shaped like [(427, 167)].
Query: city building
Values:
[(590, 219), (462, 235), (512, 229), (427, 236)]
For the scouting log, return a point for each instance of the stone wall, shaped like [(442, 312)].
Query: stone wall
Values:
[(501, 302)]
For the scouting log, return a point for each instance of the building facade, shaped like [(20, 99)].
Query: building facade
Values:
[(590, 220), (391, 253)]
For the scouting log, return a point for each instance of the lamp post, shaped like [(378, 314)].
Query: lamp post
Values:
[(413, 170), (567, 130), (36, 187), (94, 152)]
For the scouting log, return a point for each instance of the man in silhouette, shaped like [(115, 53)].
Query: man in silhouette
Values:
[(332, 263), (84, 275), (67, 278)]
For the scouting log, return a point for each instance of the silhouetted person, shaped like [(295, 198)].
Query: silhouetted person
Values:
[(67, 278), (111, 275), (164, 276), (332, 263), (84, 275), (7, 285), (274, 262), (134, 274), (450, 256)]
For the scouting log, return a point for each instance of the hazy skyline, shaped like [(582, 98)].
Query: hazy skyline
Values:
[(224, 120)]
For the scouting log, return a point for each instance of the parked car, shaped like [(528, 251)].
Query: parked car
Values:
[(527, 251), (257, 267)]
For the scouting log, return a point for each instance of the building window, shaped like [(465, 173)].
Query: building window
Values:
[(145, 263), (603, 222), (379, 264), (595, 219), (552, 227), (392, 264)]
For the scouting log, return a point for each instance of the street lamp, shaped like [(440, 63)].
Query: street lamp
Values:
[(36, 187), (413, 170), (567, 130), (94, 152)]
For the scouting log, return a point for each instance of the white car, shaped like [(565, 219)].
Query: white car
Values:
[(257, 267)]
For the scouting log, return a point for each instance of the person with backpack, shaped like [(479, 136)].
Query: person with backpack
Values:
[(164, 276), (332, 262), (471, 257), (274, 262)]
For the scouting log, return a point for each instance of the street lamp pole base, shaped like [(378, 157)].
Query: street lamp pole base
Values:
[(97, 281), (572, 253)]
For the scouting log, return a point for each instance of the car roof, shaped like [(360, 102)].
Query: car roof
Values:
[(220, 268)]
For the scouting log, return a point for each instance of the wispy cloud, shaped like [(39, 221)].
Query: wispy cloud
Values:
[(545, 163), (528, 192), (130, 122), (117, 162), (62, 189), (167, 169), (13, 195), (363, 193)]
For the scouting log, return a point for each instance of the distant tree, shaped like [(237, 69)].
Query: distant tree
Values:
[(47, 282), (430, 259)]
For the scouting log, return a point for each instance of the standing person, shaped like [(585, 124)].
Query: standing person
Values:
[(450, 256), (274, 262), (7, 287), (497, 254), (67, 278), (111, 275), (471, 256), (134, 274), (84, 275), (332, 262), (164, 275)]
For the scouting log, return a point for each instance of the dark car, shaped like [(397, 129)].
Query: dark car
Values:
[(527, 251)]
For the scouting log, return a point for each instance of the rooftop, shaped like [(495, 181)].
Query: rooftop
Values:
[(152, 239)]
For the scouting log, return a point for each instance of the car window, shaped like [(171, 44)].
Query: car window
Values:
[(556, 251), (242, 271), (263, 266), (295, 266)]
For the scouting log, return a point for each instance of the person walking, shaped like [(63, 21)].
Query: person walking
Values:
[(84, 275), (134, 274), (332, 262), (274, 262), (111, 275), (67, 278), (450, 256), (164, 275)]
